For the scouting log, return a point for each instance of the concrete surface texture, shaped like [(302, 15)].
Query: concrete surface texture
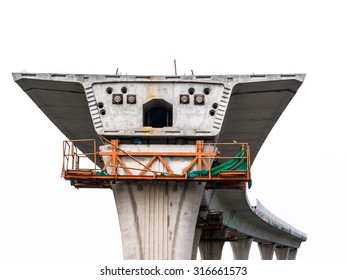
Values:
[(211, 250), (266, 251), (241, 248), (157, 220)]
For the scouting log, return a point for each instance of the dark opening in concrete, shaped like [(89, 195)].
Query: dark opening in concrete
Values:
[(157, 113)]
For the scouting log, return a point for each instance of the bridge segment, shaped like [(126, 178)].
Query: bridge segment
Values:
[(168, 219)]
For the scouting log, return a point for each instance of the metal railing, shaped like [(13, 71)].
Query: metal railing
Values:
[(122, 165), (73, 157)]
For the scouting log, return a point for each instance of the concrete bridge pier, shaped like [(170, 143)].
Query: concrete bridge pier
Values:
[(266, 250), (292, 253), (211, 249), (282, 253), (241, 248), (157, 219)]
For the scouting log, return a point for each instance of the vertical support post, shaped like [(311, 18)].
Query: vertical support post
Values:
[(211, 249), (248, 152), (241, 248), (282, 253), (157, 219), (73, 156), (64, 158), (292, 253), (266, 250), (209, 161), (94, 152), (199, 149), (114, 145)]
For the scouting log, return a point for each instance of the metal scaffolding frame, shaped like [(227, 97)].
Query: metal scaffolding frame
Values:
[(201, 159)]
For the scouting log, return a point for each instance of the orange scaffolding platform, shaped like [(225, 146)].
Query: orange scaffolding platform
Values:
[(82, 170)]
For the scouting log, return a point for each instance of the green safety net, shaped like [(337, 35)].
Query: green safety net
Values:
[(239, 163)]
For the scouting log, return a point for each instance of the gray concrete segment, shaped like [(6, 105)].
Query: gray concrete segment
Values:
[(282, 253), (245, 107), (241, 248), (157, 219), (196, 243), (292, 253), (266, 250), (254, 221), (211, 249), (276, 222)]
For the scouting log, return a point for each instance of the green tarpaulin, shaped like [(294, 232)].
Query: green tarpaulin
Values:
[(239, 162), (101, 172)]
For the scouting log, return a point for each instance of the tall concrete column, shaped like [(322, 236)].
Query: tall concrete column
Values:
[(211, 249), (157, 219), (196, 242), (282, 253), (266, 250), (241, 248), (292, 253)]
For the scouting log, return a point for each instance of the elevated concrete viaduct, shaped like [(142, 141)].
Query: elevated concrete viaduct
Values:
[(176, 187)]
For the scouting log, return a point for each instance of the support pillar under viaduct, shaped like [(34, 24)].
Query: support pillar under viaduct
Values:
[(157, 219), (266, 250), (282, 253), (211, 249), (241, 248), (292, 253)]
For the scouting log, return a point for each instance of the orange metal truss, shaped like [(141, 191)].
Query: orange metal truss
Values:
[(98, 177)]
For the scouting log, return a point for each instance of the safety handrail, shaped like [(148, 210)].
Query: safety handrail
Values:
[(202, 159)]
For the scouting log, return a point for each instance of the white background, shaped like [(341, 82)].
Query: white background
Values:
[(299, 173)]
